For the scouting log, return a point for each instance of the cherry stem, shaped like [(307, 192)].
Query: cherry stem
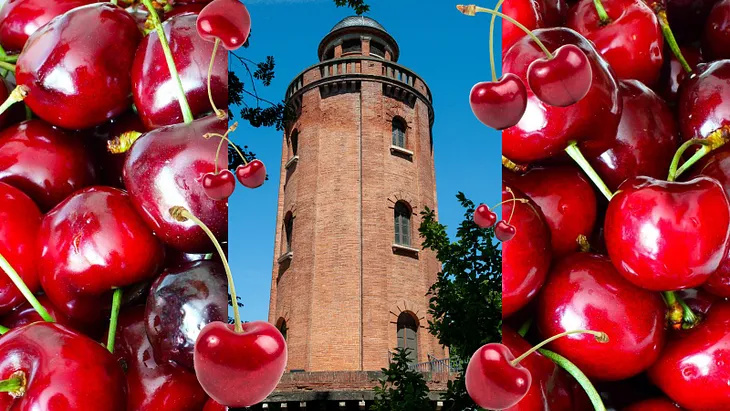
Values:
[(471, 10), (512, 166), (114, 2), (602, 15), (3, 329), (673, 172), (181, 214), (15, 278), (511, 200), (9, 59), (680, 315), (576, 373), (491, 41), (514, 198), (600, 336), (219, 113), (669, 37), (224, 137), (7, 66), (525, 327), (583, 245), (574, 153), (123, 142), (18, 94), (113, 318), (15, 385), (155, 19), (3, 72)]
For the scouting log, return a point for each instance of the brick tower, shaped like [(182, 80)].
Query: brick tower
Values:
[(349, 280)]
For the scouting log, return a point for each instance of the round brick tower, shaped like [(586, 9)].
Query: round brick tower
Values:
[(349, 280)]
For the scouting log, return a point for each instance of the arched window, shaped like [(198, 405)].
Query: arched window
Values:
[(281, 325), (408, 334), (288, 229), (294, 141), (402, 217), (399, 132)]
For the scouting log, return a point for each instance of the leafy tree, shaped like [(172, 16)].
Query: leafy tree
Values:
[(466, 300), (401, 388)]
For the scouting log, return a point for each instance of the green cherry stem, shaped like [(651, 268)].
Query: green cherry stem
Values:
[(512, 166), (574, 153), (7, 66), (491, 41), (182, 215), (219, 113), (155, 19), (582, 379), (3, 329), (680, 315), (3, 72), (113, 318), (224, 137), (661, 15), (601, 337), (15, 278), (602, 15), (673, 171), (15, 385), (8, 59), (525, 327)]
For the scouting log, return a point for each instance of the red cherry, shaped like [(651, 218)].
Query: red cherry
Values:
[(233, 379), (191, 8), (211, 405), (251, 175), (532, 14), (226, 20), (111, 165), (504, 231), (25, 314), (562, 80), (716, 36), (493, 381), (499, 104), (219, 186), (702, 109), (673, 74), (484, 217)]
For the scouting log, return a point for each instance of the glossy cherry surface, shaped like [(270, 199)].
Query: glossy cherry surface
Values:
[(493, 381), (567, 201), (237, 380), (499, 104), (89, 244), (227, 20), (526, 257), (65, 370), (484, 217), (211, 405), (716, 36), (153, 88), (702, 108), (667, 235), (189, 8), (673, 75), (584, 291), (251, 175), (504, 231), (25, 314), (219, 186), (631, 41), (181, 302), (45, 162), (111, 166), (76, 80), (20, 221), (165, 168), (533, 14), (546, 130), (645, 142), (697, 362), (562, 80)]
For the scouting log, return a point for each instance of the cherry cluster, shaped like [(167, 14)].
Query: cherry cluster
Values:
[(618, 204), (114, 282)]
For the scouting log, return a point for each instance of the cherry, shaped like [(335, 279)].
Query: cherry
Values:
[(688, 17), (233, 379), (628, 36), (90, 244), (226, 21), (499, 104), (190, 8), (673, 74), (174, 258), (526, 257), (62, 370), (493, 380), (484, 217), (219, 186), (152, 83), (697, 363), (504, 231), (74, 80), (532, 14), (251, 174), (646, 139), (585, 291), (165, 168), (20, 221), (701, 101), (653, 404), (716, 34), (566, 199), (153, 385), (111, 165), (666, 236), (45, 162), (211, 405), (180, 303), (562, 80), (25, 314)]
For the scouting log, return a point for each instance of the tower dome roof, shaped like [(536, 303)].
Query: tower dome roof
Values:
[(358, 21), (354, 26)]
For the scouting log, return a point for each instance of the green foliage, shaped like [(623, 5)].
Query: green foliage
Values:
[(401, 389), (466, 300), (358, 5)]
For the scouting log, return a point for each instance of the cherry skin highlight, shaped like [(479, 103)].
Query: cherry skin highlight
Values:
[(251, 175), (499, 104), (211, 405), (673, 74), (226, 20), (716, 35), (492, 381), (484, 217), (219, 186), (562, 80), (504, 231), (533, 14), (701, 107)]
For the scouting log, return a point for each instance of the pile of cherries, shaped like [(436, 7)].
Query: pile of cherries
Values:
[(616, 206), (114, 285)]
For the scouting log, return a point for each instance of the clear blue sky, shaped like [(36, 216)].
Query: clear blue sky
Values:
[(447, 49)]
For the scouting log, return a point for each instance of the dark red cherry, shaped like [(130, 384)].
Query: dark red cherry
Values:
[(76, 80), (21, 18), (91, 243), (653, 404), (504, 231), (546, 130), (190, 8), (667, 235), (526, 257), (697, 362), (673, 74), (153, 88), (181, 302), (702, 109), (585, 291), (45, 162), (716, 35), (631, 40), (20, 221), (211, 405), (493, 381), (645, 142), (226, 20), (533, 14), (174, 258), (251, 175), (484, 217), (499, 104), (219, 186), (567, 201), (64, 370), (25, 314), (562, 80), (699, 300), (153, 385), (111, 165), (165, 168), (237, 380), (687, 18)]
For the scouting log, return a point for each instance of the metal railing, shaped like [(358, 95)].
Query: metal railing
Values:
[(450, 365)]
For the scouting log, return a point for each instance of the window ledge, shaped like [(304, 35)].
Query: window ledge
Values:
[(401, 151), (291, 161), (286, 256), (405, 248)]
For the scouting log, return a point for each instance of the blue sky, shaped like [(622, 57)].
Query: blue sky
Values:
[(447, 49)]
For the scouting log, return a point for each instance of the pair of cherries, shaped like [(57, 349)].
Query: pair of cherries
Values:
[(485, 217)]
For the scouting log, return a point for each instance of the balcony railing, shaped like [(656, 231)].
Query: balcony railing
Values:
[(449, 365)]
